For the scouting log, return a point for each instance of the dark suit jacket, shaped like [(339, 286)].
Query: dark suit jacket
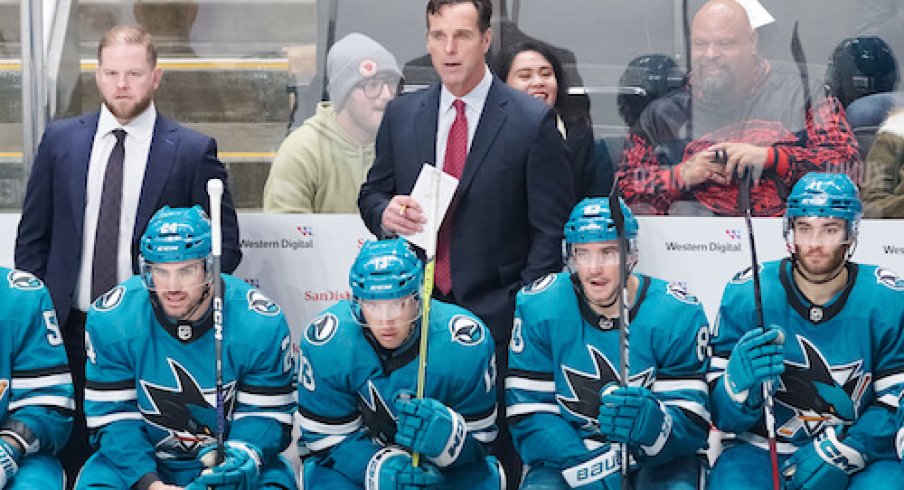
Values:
[(512, 202), (49, 240)]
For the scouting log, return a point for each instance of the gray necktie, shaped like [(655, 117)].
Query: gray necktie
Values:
[(106, 241)]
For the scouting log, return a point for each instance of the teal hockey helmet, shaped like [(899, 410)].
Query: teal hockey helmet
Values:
[(176, 235), (386, 269), (591, 221), (824, 195)]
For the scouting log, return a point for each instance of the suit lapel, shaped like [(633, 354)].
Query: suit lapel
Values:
[(81, 145), (425, 121), (160, 163), (491, 120)]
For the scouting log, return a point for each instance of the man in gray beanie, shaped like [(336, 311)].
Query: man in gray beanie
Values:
[(320, 166)]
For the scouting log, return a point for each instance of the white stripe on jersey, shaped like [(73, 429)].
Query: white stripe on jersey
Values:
[(284, 418), (485, 437), (110, 396), (712, 376), (324, 443), (484, 423), (102, 420), (45, 400), (529, 408), (661, 386), (265, 400), (720, 363), (887, 382), (41, 381), (690, 406), (333, 429), (530, 384)]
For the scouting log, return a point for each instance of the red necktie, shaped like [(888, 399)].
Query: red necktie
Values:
[(453, 164)]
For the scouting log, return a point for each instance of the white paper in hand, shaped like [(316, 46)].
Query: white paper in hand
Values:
[(433, 190)]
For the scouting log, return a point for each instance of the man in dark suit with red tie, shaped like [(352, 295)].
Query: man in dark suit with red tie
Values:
[(504, 226), (96, 181)]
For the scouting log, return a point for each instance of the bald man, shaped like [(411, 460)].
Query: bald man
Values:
[(689, 149)]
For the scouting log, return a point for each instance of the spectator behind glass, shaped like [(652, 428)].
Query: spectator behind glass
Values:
[(883, 181), (532, 67), (737, 106), (862, 74), (320, 166)]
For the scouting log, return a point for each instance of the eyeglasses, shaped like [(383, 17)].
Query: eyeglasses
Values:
[(373, 87)]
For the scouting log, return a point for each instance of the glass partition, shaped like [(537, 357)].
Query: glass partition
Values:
[(246, 72)]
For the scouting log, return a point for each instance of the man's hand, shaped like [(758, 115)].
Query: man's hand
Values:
[(403, 216), (758, 356), (390, 469), (702, 168), (427, 426), (632, 415), (238, 471), (159, 485), (825, 464), (739, 157)]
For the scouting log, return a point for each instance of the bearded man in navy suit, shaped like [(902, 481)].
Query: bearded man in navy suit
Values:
[(162, 163), (504, 227)]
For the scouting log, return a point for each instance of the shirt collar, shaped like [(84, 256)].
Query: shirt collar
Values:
[(142, 127), (474, 99)]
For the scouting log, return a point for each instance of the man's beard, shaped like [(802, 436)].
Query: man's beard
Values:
[(131, 111), (718, 84), (833, 260)]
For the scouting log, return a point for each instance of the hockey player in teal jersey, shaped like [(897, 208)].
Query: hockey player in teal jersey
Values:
[(834, 351), (565, 410), (36, 400), (150, 394), (358, 373)]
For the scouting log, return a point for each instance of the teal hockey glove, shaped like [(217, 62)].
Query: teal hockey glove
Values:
[(427, 426), (826, 464), (239, 470), (759, 356), (390, 469), (9, 456), (632, 415), (599, 469)]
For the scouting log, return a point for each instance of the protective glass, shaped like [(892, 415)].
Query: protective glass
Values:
[(373, 87), (584, 258), (407, 308), (824, 232), (176, 276)]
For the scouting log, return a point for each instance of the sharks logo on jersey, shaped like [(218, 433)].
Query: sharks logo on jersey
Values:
[(111, 299), (819, 395), (465, 330), (889, 279), (376, 415), (540, 285), (322, 329), (261, 304), (23, 280), (585, 387), (187, 411), (678, 291)]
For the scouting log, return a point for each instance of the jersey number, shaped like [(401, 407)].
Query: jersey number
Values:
[(287, 356), (702, 343), (306, 373), (89, 349), (54, 335)]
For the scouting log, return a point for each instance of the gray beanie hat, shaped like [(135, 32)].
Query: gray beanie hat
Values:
[(353, 58)]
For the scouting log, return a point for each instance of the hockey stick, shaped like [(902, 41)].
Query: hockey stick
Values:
[(745, 189), (215, 192), (427, 293), (624, 345)]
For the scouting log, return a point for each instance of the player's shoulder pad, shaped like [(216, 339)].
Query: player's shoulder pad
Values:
[(21, 280), (888, 278), (252, 299), (322, 329), (678, 290), (540, 284), (120, 296), (466, 330)]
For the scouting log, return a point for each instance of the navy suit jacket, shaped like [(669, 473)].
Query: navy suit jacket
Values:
[(511, 204), (49, 240)]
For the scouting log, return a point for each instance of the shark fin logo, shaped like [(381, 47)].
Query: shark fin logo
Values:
[(376, 415), (820, 395)]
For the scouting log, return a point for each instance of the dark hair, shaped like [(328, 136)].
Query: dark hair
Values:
[(484, 10), (502, 64), (128, 34)]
